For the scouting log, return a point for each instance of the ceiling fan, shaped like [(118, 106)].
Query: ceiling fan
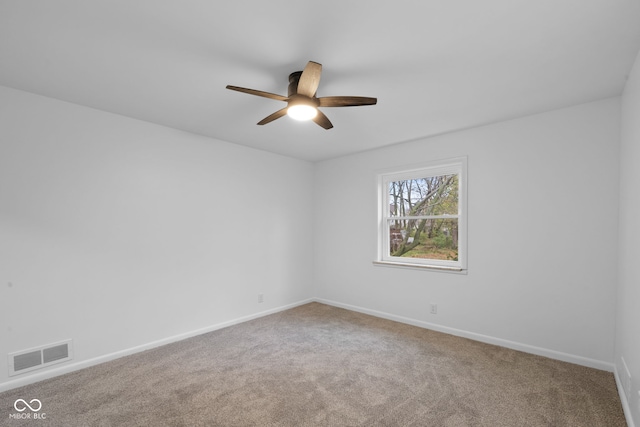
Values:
[(302, 103)]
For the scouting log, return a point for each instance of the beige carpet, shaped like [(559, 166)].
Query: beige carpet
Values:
[(317, 365)]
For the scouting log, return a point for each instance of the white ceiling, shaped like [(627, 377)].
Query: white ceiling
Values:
[(434, 65)]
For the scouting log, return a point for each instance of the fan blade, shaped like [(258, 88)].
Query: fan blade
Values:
[(310, 79), (273, 116), (322, 120), (346, 101), (258, 93)]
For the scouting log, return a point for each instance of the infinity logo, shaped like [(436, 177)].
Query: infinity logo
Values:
[(26, 405)]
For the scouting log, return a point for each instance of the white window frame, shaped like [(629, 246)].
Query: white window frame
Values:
[(451, 166)]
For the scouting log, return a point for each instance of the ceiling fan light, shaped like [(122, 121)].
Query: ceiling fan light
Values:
[(302, 112)]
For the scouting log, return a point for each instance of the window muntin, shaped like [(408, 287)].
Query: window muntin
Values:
[(423, 216)]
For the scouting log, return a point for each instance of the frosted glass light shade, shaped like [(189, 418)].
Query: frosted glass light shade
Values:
[(302, 112)]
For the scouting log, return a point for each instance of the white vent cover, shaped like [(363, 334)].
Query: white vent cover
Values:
[(41, 357)]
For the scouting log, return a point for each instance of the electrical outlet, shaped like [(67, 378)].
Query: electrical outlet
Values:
[(434, 308), (260, 298)]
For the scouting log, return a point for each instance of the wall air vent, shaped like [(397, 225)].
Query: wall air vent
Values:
[(27, 360), (40, 357)]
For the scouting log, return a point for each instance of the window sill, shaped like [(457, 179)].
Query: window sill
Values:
[(442, 268)]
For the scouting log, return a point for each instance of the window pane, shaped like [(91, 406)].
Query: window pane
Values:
[(425, 238), (435, 195)]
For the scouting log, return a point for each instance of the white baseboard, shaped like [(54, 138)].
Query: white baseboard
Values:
[(623, 400), (552, 354), (70, 367)]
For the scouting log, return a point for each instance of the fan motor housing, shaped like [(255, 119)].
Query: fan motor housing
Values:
[(294, 78)]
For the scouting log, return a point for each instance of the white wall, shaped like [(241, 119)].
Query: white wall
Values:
[(543, 206), (117, 233), (628, 313)]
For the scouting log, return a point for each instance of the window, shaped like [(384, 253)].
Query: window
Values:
[(422, 219)]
